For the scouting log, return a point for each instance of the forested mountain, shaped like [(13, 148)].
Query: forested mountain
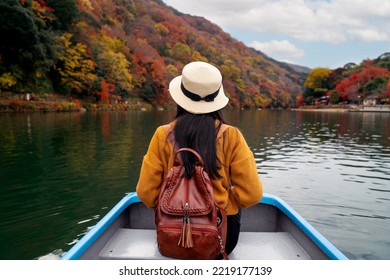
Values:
[(128, 48)]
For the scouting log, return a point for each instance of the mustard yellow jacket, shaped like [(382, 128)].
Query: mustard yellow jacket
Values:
[(240, 185)]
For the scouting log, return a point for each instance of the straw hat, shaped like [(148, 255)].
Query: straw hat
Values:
[(199, 89)]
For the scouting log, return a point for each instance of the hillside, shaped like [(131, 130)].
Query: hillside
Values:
[(109, 50), (353, 83)]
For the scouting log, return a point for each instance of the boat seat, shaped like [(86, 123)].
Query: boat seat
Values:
[(139, 244)]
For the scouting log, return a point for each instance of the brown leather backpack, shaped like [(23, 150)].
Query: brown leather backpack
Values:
[(189, 223)]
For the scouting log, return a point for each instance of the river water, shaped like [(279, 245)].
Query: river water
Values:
[(61, 172)]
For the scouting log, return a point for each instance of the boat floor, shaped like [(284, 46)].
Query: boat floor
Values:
[(141, 244)]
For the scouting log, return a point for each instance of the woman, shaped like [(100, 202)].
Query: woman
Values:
[(199, 94)]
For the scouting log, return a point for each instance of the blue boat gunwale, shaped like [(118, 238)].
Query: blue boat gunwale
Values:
[(324, 244), (91, 236)]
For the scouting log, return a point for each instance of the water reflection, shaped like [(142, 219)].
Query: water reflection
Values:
[(333, 169), (60, 173)]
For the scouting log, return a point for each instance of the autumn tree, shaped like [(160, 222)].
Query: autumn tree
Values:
[(182, 52), (388, 89), (299, 100), (42, 10), (155, 88), (262, 101), (112, 62), (162, 29), (172, 71), (74, 66), (317, 78), (316, 83), (197, 56), (7, 80), (368, 80), (138, 46), (230, 71), (107, 89)]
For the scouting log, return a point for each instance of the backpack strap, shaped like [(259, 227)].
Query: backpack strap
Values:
[(199, 158)]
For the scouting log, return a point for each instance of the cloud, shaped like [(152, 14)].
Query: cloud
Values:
[(369, 35), (330, 21), (282, 50)]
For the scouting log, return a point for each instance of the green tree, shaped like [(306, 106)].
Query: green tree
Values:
[(309, 99), (20, 36), (375, 86), (25, 47), (65, 12), (334, 97)]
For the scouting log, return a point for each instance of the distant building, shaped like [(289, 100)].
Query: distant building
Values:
[(371, 100), (324, 100)]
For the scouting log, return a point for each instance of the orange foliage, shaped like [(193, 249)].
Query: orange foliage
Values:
[(148, 42), (349, 87), (136, 47), (388, 88), (78, 103), (300, 100), (43, 5), (155, 36), (107, 89)]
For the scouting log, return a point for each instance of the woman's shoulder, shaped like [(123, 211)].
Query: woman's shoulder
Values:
[(164, 129), (230, 131), (233, 139)]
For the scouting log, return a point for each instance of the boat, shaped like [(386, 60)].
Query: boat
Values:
[(270, 230)]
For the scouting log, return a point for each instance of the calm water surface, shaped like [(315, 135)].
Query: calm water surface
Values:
[(61, 172)]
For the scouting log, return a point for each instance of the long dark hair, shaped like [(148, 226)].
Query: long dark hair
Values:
[(198, 132)]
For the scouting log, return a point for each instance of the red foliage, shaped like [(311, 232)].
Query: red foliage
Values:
[(349, 86), (388, 88), (150, 31), (45, 6), (96, 11), (78, 103), (229, 88), (300, 100), (107, 89)]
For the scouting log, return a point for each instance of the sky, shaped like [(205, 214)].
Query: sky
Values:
[(311, 33)]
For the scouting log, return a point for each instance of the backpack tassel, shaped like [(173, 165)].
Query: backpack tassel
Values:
[(185, 240)]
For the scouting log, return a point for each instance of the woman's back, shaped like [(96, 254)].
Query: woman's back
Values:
[(199, 132), (230, 163)]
